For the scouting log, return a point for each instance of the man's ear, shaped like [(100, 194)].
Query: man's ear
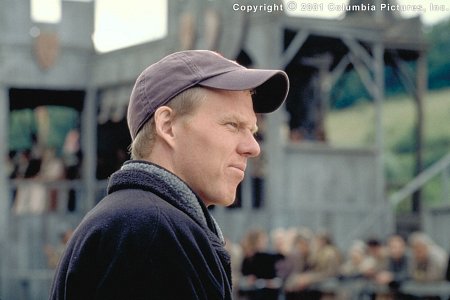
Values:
[(164, 117)]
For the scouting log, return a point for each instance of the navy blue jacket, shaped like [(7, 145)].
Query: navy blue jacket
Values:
[(149, 238)]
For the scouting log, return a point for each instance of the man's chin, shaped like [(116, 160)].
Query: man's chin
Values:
[(226, 202), (230, 202), (221, 202)]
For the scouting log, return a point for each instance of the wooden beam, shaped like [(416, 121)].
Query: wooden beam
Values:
[(421, 82), (89, 147), (337, 72), (441, 166), (404, 74), (294, 47), (364, 74), (378, 51), (445, 177), (358, 50), (4, 187), (378, 68), (417, 90), (334, 28), (417, 93)]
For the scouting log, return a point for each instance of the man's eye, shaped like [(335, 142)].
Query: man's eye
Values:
[(234, 125)]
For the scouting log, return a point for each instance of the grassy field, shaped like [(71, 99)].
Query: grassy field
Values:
[(355, 127)]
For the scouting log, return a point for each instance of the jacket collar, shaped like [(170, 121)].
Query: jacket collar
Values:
[(147, 176)]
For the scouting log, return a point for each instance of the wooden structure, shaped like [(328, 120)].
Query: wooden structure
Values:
[(365, 41), (308, 184)]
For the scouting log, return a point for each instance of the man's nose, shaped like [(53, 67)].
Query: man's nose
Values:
[(249, 146)]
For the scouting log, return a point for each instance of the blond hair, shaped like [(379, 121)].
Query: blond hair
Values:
[(183, 104)]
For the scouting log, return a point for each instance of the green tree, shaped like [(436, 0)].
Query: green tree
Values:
[(439, 55)]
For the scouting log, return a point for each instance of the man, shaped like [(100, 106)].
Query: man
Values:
[(398, 262), (192, 122), (428, 259)]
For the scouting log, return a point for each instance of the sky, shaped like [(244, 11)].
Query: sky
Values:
[(122, 23)]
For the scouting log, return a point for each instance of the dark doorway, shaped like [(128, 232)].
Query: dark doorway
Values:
[(44, 136)]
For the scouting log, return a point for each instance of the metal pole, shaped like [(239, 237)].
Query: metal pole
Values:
[(89, 146), (378, 53), (274, 145), (421, 82), (4, 187), (445, 185)]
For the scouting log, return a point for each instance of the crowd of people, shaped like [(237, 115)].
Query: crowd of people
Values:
[(38, 167), (298, 263)]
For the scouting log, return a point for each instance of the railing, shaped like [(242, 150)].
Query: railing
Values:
[(360, 289), (441, 167), (40, 196), (26, 272), (356, 289), (29, 284)]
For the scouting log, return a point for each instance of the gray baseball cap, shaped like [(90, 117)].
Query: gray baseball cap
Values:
[(177, 72)]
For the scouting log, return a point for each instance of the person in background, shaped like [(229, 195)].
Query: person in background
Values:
[(281, 240), (377, 258), (236, 256), (352, 267), (325, 262), (429, 261), (298, 259), (398, 263), (192, 121), (259, 274)]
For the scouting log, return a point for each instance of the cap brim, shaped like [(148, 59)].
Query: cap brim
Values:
[(271, 86)]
